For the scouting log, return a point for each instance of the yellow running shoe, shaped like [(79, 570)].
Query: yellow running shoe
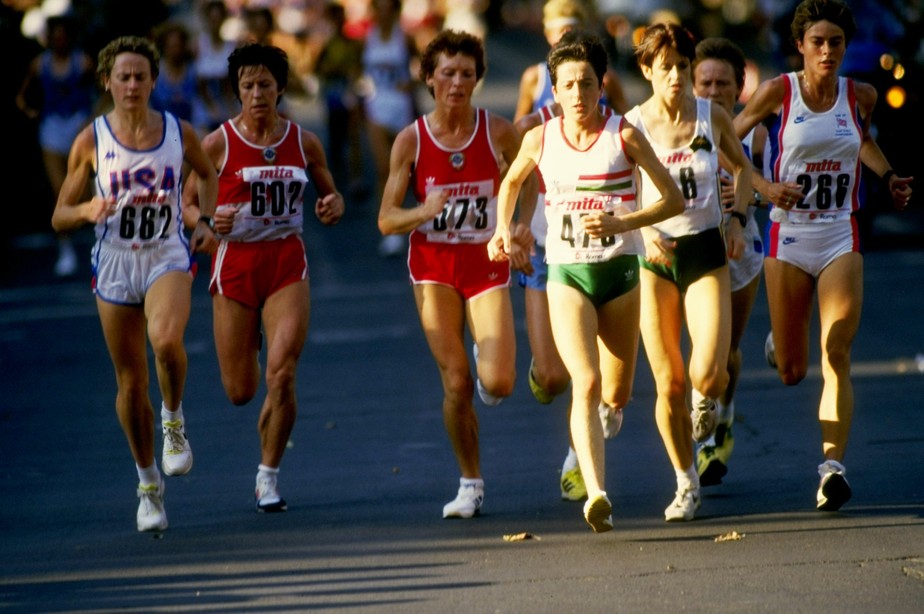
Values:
[(572, 485), (538, 391)]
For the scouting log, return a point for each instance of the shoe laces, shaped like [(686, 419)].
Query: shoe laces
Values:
[(702, 416), (684, 494), (150, 494), (174, 436)]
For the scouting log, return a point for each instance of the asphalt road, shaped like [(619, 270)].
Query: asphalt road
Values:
[(369, 468)]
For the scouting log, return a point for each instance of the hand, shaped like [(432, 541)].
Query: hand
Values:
[(599, 224), (100, 208), (660, 251), (499, 245), (224, 220), (728, 192), (330, 208), (785, 195), (734, 239), (433, 204), (203, 239), (521, 248), (900, 190)]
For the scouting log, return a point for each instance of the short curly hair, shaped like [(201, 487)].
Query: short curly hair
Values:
[(105, 61), (452, 42)]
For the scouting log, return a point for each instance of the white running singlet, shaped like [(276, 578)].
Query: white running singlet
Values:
[(579, 182), (695, 169), (820, 152)]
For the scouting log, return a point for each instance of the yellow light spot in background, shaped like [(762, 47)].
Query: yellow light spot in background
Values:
[(895, 97)]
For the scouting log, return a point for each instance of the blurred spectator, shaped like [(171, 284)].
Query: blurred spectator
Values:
[(62, 79), (558, 17), (103, 20), (389, 101), (212, 51), (466, 16), (339, 68), (261, 27), (177, 87)]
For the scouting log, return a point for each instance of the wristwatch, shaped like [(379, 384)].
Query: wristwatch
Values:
[(742, 218), (208, 221)]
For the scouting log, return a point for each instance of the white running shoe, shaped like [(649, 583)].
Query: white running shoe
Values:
[(770, 350), (486, 397), (266, 494), (151, 514), (833, 490), (467, 503), (703, 416), (684, 505), (391, 246), (177, 458), (611, 418), (66, 264), (598, 512)]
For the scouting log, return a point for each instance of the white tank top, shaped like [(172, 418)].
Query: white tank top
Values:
[(599, 178), (695, 169), (146, 185), (820, 152)]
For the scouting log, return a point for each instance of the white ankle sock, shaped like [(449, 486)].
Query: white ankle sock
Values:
[(476, 482), (570, 461), (687, 478), (268, 470), (148, 475), (167, 415)]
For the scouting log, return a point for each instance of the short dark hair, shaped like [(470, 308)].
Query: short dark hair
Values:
[(660, 36), (810, 12), (578, 46), (126, 44), (717, 48), (452, 42), (256, 54)]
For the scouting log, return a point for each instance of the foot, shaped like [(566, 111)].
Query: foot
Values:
[(709, 466), (486, 397), (177, 458), (151, 514), (572, 485), (67, 261), (467, 503), (391, 246), (611, 419), (541, 394), (724, 441), (833, 490), (770, 350), (703, 416), (267, 496), (598, 512), (684, 506)]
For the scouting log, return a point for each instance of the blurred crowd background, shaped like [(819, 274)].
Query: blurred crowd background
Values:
[(322, 39)]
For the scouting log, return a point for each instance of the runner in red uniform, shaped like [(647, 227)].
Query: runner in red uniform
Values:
[(451, 159), (259, 270)]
